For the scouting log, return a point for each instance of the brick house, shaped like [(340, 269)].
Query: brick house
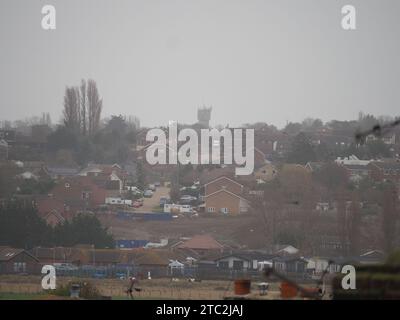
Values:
[(225, 183), (53, 211), (79, 193), (16, 261), (111, 177), (225, 201)]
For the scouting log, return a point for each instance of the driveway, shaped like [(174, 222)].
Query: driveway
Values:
[(150, 203)]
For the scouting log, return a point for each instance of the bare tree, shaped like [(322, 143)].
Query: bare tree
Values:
[(342, 221), (94, 106), (71, 108), (83, 107), (354, 225), (269, 206), (389, 218)]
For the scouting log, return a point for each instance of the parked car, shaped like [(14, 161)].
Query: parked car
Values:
[(135, 190), (148, 194), (157, 184), (120, 275), (65, 267), (187, 199), (99, 275), (164, 200), (152, 187), (137, 204)]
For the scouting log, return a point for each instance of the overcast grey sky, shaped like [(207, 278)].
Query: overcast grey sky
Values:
[(252, 60)]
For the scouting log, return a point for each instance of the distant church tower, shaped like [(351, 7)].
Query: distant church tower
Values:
[(204, 116)]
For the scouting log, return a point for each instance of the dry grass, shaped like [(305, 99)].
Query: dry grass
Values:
[(245, 229), (151, 289)]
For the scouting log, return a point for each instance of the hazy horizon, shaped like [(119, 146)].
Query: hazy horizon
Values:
[(270, 61)]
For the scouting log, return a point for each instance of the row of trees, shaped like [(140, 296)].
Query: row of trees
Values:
[(364, 122), (109, 144), (82, 107), (21, 227)]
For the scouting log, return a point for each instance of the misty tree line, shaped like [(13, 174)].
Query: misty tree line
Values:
[(21, 227), (302, 150), (288, 215)]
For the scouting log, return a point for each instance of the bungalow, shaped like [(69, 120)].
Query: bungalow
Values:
[(285, 250), (201, 245), (290, 265), (153, 262), (317, 265), (53, 255), (16, 261), (338, 263), (104, 257), (372, 257), (244, 261)]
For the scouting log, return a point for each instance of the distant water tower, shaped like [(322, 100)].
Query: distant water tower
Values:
[(204, 116)]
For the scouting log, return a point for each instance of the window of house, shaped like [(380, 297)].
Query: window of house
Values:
[(210, 209), (85, 195), (19, 267), (224, 210), (224, 264), (238, 265)]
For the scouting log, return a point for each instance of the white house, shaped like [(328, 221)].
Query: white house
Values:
[(244, 261)]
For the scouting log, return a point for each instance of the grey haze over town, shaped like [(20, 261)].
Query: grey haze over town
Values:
[(279, 61), (199, 150)]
